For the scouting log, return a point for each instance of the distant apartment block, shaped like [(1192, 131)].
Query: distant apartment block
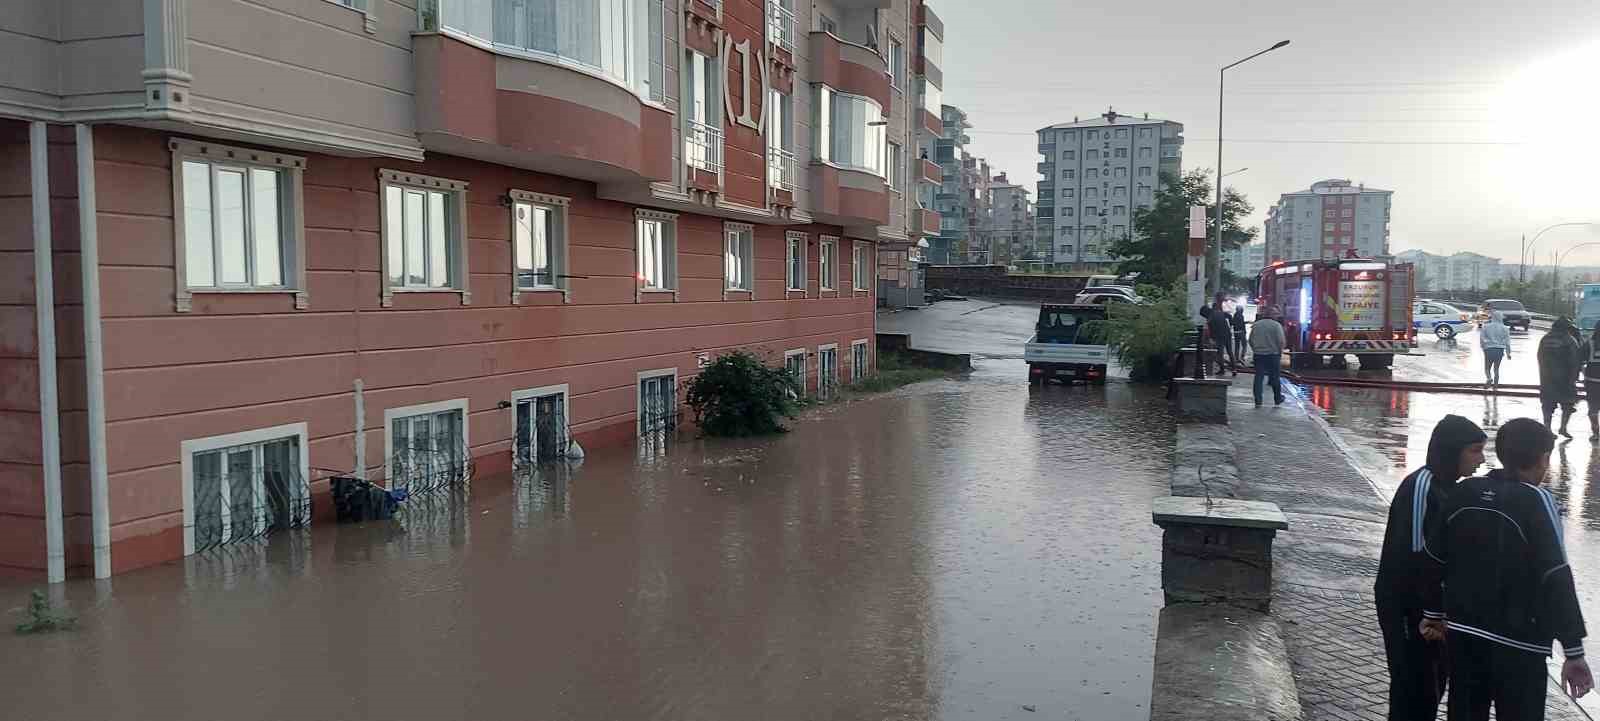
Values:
[(1093, 176), (1008, 226), (1461, 271), (1332, 218), (1246, 260)]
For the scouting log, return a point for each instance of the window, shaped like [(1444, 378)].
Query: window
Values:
[(427, 445), (1145, 153), (794, 361), (539, 240), (1144, 171), (1347, 212), (850, 131), (1120, 152), (795, 261), (828, 263), (657, 249), (1344, 226), (1066, 249), (1118, 231), (540, 434), (1122, 133), (1067, 212), (1069, 155), (702, 139), (1170, 151), (1327, 226), (1091, 155), (780, 141), (860, 361), (658, 400), (1091, 192), (827, 370), (1068, 174), (244, 485), (1091, 174), (606, 37), (1092, 134), (1330, 213), (897, 62), (1119, 191), (897, 179), (1349, 200), (1067, 232), (423, 227), (1144, 134), (1120, 172), (739, 256), (240, 226), (861, 261), (1119, 210)]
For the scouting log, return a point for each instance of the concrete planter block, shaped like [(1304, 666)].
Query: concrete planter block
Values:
[(1217, 550), (1202, 400), (1221, 662)]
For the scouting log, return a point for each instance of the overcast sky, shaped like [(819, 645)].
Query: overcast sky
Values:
[(1484, 118)]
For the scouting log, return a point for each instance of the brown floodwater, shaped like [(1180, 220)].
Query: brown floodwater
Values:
[(956, 549)]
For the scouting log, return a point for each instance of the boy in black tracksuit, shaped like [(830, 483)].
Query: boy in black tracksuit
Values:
[(1506, 589), (1417, 669)]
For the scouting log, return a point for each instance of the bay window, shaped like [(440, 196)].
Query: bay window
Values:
[(619, 40), (850, 131)]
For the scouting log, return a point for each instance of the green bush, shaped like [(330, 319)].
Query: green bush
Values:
[(1144, 336), (41, 618), (738, 395), (895, 371)]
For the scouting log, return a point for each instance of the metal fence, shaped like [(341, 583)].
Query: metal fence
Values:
[(702, 145), (421, 470), (247, 492)]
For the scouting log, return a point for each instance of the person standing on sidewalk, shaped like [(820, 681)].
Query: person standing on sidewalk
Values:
[(1222, 334), (1498, 584), (1496, 341), (1266, 345), (1417, 668), (1591, 384), (1240, 340), (1559, 356)]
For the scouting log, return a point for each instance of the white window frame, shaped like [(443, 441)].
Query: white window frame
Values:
[(188, 449), (897, 63), (390, 415), (896, 162), (669, 251), (794, 258), (291, 217), (456, 244), (557, 207), (859, 265), (822, 385), (804, 367), (858, 373), (639, 379), (533, 394), (746, 257), (828, 276)]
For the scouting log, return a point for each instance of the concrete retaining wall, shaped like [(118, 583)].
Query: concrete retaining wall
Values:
[(992, 281), (900, 343)]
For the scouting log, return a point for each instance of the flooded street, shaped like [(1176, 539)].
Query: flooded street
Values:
[(954, 550), (1387, 432)]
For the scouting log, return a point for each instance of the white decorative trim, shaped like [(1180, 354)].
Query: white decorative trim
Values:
[(234, 154), (421, 181), (732, 225), (541, 392), (166, 56), (458, 189), (390, 414), (188, 448), (638, 378), (541, 198), (648, 214)]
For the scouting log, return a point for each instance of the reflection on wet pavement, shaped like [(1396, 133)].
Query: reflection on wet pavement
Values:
[(956, 549)]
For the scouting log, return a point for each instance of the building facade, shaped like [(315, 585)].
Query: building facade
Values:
[(1332, 218), (1008, 226), (953, 198), (1461, 271), (296, 239), (1093, 176), (1246, 261)]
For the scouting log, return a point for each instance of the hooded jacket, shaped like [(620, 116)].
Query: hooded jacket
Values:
[(1415, 510), (1498, 567), (1495, 334), (1559, 355)]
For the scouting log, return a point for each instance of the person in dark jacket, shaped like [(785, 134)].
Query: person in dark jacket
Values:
[(1417, 669), (1498, 584), (1559, 358), (1222, 334), (1239, 338), (1591, 382)]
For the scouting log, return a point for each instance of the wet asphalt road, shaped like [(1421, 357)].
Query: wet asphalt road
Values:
[(957, 549)]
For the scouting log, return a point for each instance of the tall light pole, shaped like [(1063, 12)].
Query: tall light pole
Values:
[(1522, 262), (1216, 266), (1562, 259)]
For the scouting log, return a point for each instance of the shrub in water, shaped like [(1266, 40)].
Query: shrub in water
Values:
[(738, 395), (41, 618), (1145, 335)]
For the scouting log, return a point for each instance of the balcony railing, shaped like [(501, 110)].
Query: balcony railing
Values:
[(780, 25), (702, 146), (782, 167)]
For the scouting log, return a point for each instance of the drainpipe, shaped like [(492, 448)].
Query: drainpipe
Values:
[(44, 294), (93, 361)]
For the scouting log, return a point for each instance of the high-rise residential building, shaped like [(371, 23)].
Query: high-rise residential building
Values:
[(1332, 218), (953, 198), (1461, 271), (1094, 174), (413, 241), (1246, 260), (1008, 228), (975, 183)]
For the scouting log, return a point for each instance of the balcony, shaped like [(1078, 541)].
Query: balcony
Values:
[(781, 28), (855, 199), (702, 146), (849, 68), (495, 94), (924, 221), (782, 169), (1047, 149), (931, 172)]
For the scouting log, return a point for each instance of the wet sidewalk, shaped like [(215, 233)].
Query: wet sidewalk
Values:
[(1325, 564)]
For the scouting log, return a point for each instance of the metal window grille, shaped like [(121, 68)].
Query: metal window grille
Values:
[(702, 145), (827, 372), (248, 491), (858, 368), (541, 431), (783, 166), (428, 453), (658, 404), (796, 365)]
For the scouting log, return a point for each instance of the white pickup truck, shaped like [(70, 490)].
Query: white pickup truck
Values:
[(1068, 344)]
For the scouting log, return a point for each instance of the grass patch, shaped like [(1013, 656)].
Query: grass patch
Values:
[(41, 618), (894, 372)]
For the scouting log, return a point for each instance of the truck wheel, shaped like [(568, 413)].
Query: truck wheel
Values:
[(1377, 362), (1445, 331), (1338, 362)]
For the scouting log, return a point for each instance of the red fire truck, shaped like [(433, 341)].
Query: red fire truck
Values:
[(1333, 308)]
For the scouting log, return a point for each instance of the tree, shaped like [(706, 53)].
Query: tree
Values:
[(1159, 246), (738, 395)]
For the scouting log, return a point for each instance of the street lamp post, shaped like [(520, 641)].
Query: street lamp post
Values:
[(1527, 245), (1563, 259), (1216, 266)]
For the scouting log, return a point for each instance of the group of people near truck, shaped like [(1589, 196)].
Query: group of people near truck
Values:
[(1565, 357), (1265, 342), (1473, 583)]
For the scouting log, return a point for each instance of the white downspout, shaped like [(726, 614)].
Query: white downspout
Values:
[(93, 361), (44, 294)]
